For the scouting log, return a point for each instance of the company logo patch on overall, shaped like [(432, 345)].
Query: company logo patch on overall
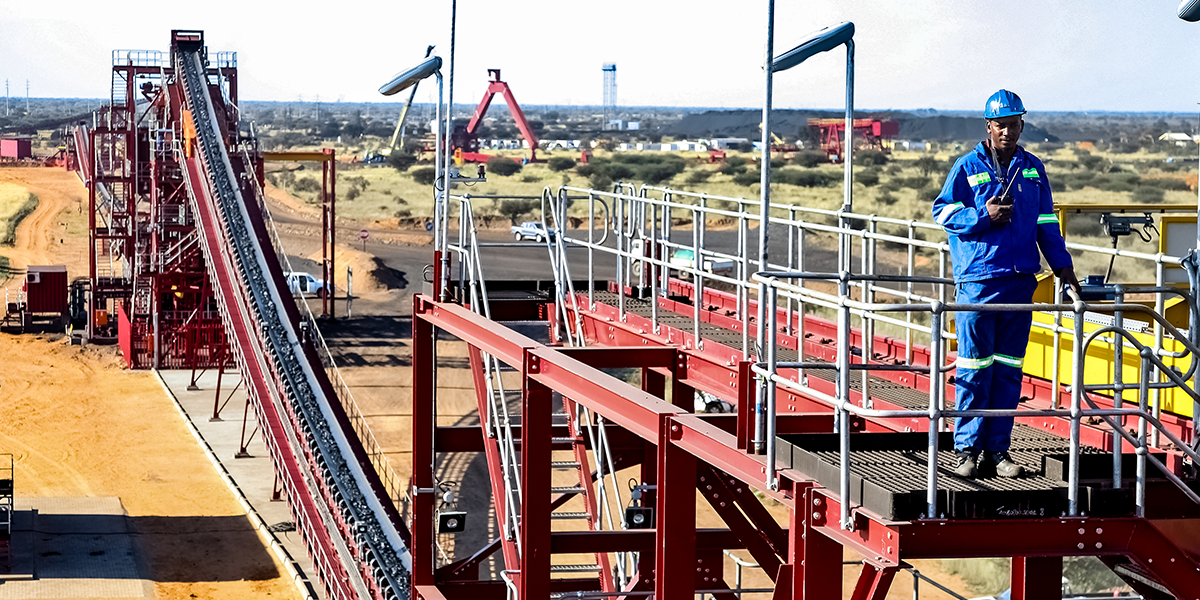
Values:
[(979, 178), (1030, 173)]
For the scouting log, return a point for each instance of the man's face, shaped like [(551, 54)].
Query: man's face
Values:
[(1005, 131)]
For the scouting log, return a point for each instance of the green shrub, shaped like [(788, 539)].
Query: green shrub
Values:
[(352, 193), (914, 183), (809, 158), (601, 182), (515, 208), (886, 199), (777, 163), (805, 177), (1167, 183), (928, 165), (868, 178), (868, 158), (530, 178), (698, 176), (307, 184), (401, 161), (561, 163), (1147, 194), (503, 166), (733, 166), (424, 175), (747, 178)]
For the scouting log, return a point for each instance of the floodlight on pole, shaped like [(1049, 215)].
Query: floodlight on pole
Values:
[(820, 41), (1189, 10), (408, 78), (399, 83)]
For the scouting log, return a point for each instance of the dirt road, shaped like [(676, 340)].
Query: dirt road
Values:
[(56, 233)]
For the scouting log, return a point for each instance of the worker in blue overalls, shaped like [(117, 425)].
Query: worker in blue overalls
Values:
[(997, 209)]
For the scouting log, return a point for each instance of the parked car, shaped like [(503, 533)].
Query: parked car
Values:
[(685, 258), (532, 230), (304, 283), (681, 258)]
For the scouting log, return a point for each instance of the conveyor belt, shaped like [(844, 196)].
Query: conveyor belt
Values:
[(890, 474)]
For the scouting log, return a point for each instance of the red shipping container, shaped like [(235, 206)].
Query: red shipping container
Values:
[(16, 148), (46, 289)]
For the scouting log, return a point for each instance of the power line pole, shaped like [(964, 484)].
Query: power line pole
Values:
[(7, 112), (27, 97)]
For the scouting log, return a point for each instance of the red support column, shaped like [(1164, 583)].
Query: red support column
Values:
[(873, 582), (1037, 577), (820, 571), (535, 487), (424, 422), (675, 516)]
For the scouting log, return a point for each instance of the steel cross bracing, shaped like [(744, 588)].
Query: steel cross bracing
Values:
[(683, 454), (342, 510)]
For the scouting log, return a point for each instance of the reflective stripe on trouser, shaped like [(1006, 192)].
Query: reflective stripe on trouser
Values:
[(991, 350)]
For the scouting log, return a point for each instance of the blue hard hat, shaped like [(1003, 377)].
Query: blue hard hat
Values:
[(1003, 104)]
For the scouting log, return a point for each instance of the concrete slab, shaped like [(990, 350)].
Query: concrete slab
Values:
[(73, 548), (253, 472)]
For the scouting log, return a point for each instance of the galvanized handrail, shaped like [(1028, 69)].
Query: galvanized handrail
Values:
[(771, 283)]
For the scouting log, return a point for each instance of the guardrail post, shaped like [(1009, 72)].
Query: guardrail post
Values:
[(1076, 410), (843, 396), (772, 341), (1119, 382), (760, 403), (935, 408), (1143, 402)]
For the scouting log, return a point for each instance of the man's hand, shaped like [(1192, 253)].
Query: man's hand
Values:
[(1067, 276), (998, 211)]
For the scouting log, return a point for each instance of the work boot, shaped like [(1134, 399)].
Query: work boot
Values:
[(965, 465), (1000, 463)]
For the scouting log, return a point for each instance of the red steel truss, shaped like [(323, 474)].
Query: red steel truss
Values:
[(685, 455), (149, 287)]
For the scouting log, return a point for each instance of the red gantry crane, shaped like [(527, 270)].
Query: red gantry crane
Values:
[(466, 138)]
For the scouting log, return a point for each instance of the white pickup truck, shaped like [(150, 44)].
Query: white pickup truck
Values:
[(531, 230), (685, 258), (681, 260), (303, 283)]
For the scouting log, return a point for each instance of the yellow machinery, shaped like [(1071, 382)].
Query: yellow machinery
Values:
[(1177, 225)]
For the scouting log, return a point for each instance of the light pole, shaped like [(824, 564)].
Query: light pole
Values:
[(399, 83), (1189, 10), (820, 41)]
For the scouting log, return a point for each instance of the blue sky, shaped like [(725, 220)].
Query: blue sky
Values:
[(1106, 55)]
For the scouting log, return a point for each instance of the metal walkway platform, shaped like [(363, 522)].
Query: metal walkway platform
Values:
[(889, 470)]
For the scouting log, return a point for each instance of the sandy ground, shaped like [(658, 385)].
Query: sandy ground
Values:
[(80, 426)]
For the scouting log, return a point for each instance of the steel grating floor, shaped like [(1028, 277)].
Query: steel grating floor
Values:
[(889, 471)]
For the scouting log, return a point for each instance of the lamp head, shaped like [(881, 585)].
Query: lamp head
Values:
[(410, 77), (820, 41), (1189, 10)]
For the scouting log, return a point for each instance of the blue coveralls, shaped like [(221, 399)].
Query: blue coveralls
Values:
[(995, 264)]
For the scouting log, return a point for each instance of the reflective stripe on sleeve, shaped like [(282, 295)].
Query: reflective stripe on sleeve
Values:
[(979, 178), (974, 363), (1031, 173), (1012, 361), (1049, 219), (947, 211)]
